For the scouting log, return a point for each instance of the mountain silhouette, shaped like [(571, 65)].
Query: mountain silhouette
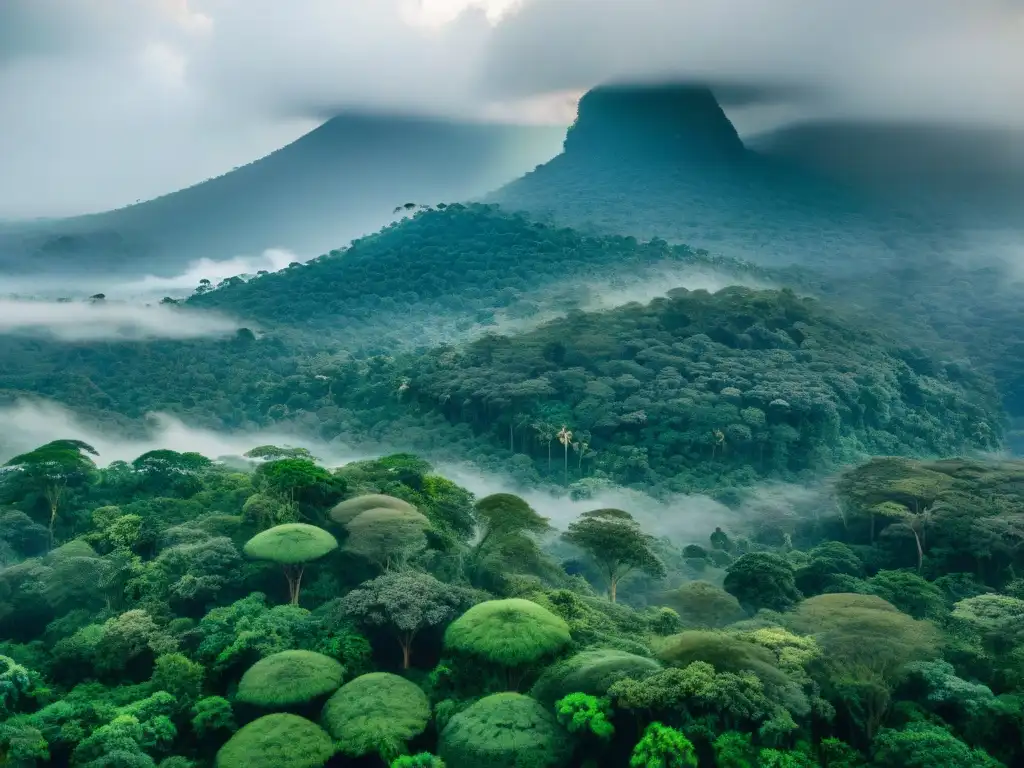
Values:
[(340, 181)]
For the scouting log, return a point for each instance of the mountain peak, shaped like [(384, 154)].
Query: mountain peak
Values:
[(670, 121)]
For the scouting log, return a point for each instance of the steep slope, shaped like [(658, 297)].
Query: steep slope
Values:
[(340, 181)]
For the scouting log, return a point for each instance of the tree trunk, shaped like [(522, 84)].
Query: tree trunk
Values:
[(294, 575), (406, 643), (613, 584), (549, 457), (53, 521), (920, 549)]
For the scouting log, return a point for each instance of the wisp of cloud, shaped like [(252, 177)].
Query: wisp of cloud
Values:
[(97, 320), (29, 423)]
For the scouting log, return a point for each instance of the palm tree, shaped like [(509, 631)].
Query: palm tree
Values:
[(581, 448), (565, 438), (545, 434)]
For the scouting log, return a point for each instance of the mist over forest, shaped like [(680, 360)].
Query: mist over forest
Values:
[(444, 435)]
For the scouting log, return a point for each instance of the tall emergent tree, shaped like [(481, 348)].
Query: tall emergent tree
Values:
[(617, 545), (502, 516), (52, 469), (387, 537), (165, 470), (293, 545), (406, 602)]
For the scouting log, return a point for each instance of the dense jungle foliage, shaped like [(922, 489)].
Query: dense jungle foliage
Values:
[(446, 270), (178, 612), (696, 391)]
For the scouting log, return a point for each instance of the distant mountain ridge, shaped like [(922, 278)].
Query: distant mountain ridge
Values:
[(338, 182)]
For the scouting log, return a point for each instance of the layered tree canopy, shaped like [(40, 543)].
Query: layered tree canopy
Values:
[(290, 678), (505, 730), (277, 741), (510, 633), (291, 544), (377, 713)]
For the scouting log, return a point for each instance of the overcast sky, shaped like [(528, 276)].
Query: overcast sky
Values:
[(107, 101)]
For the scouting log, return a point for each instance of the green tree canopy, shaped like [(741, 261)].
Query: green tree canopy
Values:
[(289, 678), (300, 481), (592, 672), (865, 642), (387, 537), (377, 713), (277, 741), (511, 633), (701, 604), (616, 543), (51, 470), (164, 470), (663, 747), (274, 453), (293, 545), (926, 745), (406, 602), (502, 515), (344, 512), (762, 580), (504, 730)]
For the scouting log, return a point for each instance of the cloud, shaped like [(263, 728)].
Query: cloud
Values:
[(31, 423), (928, 59), (92, 321), (118, 100), (271, 260), (680, 518)]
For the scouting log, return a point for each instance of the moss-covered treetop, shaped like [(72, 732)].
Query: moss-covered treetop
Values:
[(508, 632), (505, 730), (591, 672), (375, 709), (291, 544), (346, 511), (277, 741), (290, 678)]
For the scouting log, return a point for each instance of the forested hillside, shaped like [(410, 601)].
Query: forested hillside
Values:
[(694, 391), (702, 388), (174, 612), (448, 269)]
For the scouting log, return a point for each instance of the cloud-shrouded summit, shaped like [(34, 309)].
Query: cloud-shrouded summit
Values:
[(120, 100)]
